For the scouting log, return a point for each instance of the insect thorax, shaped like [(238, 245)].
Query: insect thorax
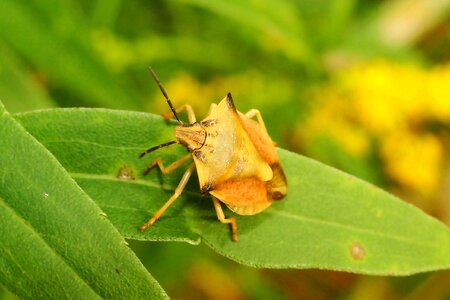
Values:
[(192, 136)]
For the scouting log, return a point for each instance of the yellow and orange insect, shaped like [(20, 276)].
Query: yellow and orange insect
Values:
[(234, 156)]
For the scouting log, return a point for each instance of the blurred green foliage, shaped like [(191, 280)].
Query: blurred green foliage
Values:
[(272, 55)]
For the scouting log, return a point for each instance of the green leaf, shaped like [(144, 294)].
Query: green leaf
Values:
[(55, 241), (17, 89), (96, 145), (274, 21), (329, 220), (51, 35)]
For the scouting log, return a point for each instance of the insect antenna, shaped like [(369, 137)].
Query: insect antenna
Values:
[(156, 147), (164, 93)]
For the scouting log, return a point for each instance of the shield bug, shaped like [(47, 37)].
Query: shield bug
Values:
[(233, 155)]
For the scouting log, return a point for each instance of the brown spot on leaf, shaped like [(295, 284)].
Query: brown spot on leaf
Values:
[(125, 173), (357, 251)]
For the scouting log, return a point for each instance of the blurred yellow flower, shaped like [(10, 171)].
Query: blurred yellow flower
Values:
[(350, 138), (413, 160), (388, 104), (386, 96), (185, 89), (438, 90), (249, 88)]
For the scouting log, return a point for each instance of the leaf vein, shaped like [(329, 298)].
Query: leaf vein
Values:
[(136, 181), (39, 236), (350, 227), (74, 141)]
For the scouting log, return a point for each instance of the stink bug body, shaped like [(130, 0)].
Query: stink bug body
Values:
[(234, 157)]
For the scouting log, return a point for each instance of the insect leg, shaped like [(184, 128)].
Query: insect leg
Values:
[(166, 170), (189, 111), (212, 108), (222, 219), (254, 112), (175, 195)]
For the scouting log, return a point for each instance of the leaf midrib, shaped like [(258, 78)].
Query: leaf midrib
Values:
[(84, 142), (147, 183)]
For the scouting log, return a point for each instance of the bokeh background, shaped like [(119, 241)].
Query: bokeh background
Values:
[(362, 85)]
